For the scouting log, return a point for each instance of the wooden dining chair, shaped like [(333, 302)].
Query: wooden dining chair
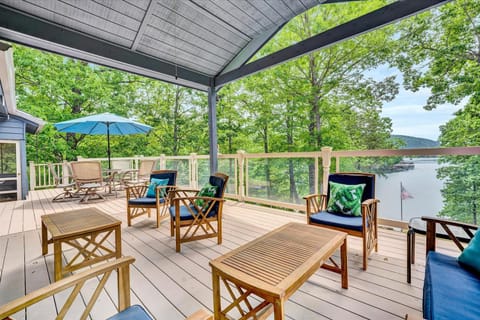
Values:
[(197, 214)]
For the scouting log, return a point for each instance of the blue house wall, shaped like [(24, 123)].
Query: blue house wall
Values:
[(15, 130)]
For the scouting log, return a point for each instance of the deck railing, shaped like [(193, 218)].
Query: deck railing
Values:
[(253, 180)]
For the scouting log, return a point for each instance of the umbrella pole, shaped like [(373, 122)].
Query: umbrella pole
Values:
[(108, 145)]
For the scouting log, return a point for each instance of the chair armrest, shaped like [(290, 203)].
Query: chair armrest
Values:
[(369, 202), (432, 222), (201, 314), (78, 280), (315, 203)]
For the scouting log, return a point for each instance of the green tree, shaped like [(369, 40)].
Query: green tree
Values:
[(461, 191), (440, 50)]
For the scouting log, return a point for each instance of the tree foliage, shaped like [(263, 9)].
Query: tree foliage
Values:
[(440, 50), (321, 99)]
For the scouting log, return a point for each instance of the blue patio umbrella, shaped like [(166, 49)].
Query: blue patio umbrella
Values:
[(104, 123)]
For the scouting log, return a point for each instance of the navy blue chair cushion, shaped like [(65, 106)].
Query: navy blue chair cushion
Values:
[(450, 291), (185, 214), (337, 220), (145, 201), (219, 183), (368, 180), (171, 176), (135, 312)]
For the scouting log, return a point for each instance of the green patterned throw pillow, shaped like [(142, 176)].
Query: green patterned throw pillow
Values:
[(154, 183), (346, 199), (207, 191)]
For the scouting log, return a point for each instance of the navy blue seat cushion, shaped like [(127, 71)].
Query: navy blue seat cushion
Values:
[(185, 214), (449, 291), (145, 201), (337, 220), (133, 312)]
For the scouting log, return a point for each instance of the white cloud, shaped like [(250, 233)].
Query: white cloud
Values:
[(406, 110)]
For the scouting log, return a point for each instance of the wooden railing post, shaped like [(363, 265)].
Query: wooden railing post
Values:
[(326, 161), (65, 172), (32, 175), (163, 162), (241, 175), (193, 168)]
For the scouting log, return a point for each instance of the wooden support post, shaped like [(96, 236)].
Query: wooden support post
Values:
[(326, 161), (32, 175), (241, 177)]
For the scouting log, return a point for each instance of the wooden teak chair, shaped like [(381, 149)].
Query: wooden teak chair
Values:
[(363, 226), (139, 203), (98, 274), (199, 217)]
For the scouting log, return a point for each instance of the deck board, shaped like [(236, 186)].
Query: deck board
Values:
[(173, 285)]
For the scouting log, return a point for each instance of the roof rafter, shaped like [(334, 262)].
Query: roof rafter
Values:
[(368, 22)]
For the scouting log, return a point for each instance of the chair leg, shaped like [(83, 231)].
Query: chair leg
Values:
[(365, 253), (219, 231), (158, 218), (171, 227), (129, 217)]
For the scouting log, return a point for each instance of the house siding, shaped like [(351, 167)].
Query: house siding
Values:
[(14, 130)]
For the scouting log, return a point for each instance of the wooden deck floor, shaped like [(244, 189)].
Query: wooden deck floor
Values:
[(173, 285)]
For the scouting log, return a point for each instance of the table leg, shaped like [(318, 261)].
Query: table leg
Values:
[(409, 255), (118, 242), (278, 310), (44, 239), (57, 260), (217, 307), (344, 266)]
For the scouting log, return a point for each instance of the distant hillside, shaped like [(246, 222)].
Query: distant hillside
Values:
[(414, 142)]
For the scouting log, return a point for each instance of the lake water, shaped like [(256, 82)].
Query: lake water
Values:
[(420, 182)]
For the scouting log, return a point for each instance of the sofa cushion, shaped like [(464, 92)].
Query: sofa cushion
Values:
[(449, 291), (337, 220), (133, 312)]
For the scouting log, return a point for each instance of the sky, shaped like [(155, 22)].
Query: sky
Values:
[(407, 113)]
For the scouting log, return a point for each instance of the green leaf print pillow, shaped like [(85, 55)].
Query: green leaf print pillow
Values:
[(345, 198)]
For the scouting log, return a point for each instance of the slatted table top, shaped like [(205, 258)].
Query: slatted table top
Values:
[(280, 260), (71, 223)]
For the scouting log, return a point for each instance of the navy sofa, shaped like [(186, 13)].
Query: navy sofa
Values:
[(450, 291)]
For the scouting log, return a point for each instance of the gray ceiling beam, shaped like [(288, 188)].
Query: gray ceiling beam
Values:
[(368, 22), (144, 24), (251, 48), (25, 29)]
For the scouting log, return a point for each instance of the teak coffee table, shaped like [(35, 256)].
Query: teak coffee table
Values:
[(273, 267), (86, 230)]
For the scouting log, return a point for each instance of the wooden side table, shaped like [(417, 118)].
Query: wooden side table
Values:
[(85, 230)]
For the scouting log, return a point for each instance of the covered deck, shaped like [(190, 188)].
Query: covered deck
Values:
[(173, 285)]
